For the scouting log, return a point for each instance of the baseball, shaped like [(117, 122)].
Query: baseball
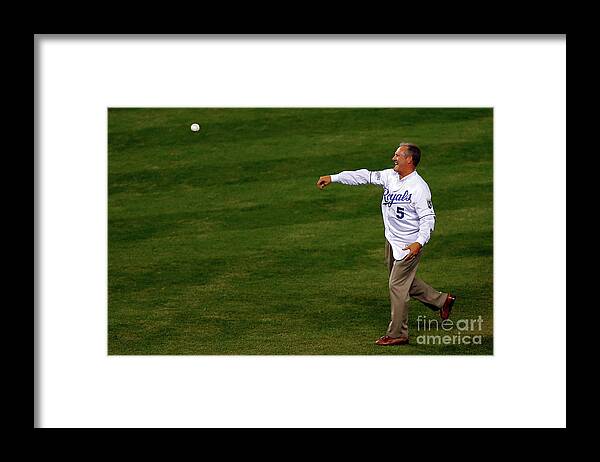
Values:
[(195, 127)]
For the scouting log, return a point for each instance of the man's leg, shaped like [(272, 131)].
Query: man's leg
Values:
[(401, 278), (427, 295), (389, 256)]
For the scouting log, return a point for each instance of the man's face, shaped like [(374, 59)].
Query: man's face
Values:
[(400, 162)]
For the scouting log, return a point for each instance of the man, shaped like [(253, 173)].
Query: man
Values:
[(408, 220)]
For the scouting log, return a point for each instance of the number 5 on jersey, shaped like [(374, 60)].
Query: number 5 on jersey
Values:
[(399, 213)]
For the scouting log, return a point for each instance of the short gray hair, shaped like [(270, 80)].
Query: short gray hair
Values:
[(412, 151)]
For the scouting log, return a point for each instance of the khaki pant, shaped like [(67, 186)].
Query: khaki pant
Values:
[(403, 285)]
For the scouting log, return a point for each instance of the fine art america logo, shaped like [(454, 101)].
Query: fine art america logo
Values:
[(469, 331)]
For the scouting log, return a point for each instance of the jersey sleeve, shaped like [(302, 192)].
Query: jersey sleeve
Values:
[(426, 214), (360, 177), (379, 178)]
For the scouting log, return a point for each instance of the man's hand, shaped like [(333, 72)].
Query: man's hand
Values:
[(414, 248), (323, 181)]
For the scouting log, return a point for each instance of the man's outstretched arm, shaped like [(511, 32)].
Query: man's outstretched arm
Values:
[(352, 178)]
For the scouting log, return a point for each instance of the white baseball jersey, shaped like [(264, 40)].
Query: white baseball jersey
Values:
[(407, 210)]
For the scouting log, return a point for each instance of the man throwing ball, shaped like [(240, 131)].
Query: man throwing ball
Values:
[(409, 220)]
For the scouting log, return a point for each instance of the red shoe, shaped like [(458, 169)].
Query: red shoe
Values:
[(389, 341), (447, 308)]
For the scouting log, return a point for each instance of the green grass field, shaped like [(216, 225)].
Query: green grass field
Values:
[(219, 242)]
